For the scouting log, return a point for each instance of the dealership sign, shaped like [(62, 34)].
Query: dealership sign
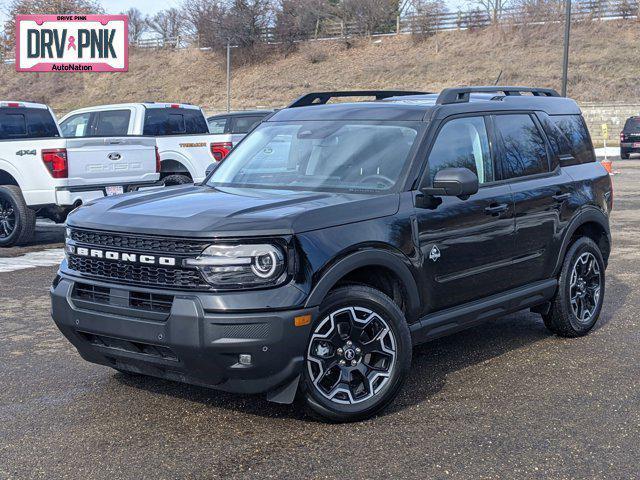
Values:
[(72, 43)]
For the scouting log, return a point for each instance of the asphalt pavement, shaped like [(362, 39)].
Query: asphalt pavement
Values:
[(504, 400)]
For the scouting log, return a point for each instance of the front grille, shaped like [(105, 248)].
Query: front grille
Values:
[(113, 343), (138, 242), (124, 272), (133, 273), (151, 302)]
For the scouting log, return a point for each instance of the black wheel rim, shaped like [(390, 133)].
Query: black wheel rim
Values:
[(7, 218), (351, 355), (584, 288)]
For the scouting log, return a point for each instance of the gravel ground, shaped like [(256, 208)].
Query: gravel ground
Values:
[(505, 400)]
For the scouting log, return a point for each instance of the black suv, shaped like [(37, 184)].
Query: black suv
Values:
[(337, 236), (630, 137)]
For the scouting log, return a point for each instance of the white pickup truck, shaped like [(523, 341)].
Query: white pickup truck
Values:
[(43, 174), (186, 147)]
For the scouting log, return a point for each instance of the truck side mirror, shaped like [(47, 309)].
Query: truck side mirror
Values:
[(453, 182)]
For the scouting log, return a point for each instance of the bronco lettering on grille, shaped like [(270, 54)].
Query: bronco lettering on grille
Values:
[(123, 257)]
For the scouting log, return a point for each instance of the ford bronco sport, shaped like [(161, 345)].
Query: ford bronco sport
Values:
[(335, 237)]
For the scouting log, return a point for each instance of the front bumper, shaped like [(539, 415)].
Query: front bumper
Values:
[(189, 344)]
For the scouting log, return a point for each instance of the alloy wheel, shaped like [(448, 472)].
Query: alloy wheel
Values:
[(584, 287), (7, 218), (351, 355)]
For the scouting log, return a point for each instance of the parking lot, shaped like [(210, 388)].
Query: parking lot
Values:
[(504, 400)]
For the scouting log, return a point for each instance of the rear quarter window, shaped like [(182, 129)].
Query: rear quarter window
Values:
[(174, 121), (568, 135), (17, 123)]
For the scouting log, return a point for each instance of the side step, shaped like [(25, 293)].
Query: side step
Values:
[(454, 319)]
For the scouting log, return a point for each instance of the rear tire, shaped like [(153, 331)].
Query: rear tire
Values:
[(17, 220), (624, 156), (358, 355), (176, 180), (577, 304)]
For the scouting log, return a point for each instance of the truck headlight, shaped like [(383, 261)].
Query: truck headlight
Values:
[(240, 266)]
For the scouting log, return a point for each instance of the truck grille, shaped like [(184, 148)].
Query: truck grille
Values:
[(133, 273)]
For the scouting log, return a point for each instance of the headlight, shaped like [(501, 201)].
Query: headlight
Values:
[(240, 266)]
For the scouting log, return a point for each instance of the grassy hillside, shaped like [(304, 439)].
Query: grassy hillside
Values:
[(604, 67)]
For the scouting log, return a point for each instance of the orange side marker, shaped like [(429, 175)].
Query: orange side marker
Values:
[(302, 320)]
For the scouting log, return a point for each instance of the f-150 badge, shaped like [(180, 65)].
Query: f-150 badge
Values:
[(435, 253)]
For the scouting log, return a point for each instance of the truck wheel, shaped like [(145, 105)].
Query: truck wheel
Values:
[(624, 156), (17, 220), (358, 355), (576, 306), (176, 180)]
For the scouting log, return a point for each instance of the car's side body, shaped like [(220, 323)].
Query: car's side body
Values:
[(447, 262)]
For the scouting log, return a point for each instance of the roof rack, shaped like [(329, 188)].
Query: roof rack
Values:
[(462, 94), (320, 98)]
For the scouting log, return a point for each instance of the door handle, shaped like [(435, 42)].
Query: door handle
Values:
[(561, 197), (496, 209)]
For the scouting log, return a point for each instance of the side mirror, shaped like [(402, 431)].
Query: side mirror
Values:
[(211, 168), (453, 182)]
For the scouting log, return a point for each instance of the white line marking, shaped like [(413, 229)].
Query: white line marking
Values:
[(44, 258)]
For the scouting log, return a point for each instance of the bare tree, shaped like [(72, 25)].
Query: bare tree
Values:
[(246, 21), (371, 16), (137, 24), (41, 7), (494, 8), (297, 20), (167, 23), (205, 18), (426, 16)]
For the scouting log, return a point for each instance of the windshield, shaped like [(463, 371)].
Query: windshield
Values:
[(320, 156)]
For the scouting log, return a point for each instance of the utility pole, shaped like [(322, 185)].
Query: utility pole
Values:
[(228, 76), (565, 59)]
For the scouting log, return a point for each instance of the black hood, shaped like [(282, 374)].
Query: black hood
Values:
[(201, 211)]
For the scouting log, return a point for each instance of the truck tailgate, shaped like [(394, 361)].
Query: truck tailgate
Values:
[(111, 161)]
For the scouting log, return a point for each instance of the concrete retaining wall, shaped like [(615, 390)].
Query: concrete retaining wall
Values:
[(613, 114)]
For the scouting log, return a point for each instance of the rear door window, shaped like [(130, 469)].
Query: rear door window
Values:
[(218, 125), (174, 121), (244, 124), (76, 125), (27, 123), (112, 123), (524, 150)]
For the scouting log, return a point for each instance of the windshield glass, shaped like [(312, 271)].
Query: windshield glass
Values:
[(320, 156)]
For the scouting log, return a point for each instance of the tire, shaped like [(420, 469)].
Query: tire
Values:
[(624, 156), (17, 220), (381, 337), (563, 318), (176, 180)]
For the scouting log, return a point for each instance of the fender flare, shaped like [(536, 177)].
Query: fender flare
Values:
[(589, 214), (11, 170), (368, 258), (179, 158)]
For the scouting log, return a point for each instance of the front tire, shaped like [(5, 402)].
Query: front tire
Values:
[(358, 355), (17, 220), (577, 304)]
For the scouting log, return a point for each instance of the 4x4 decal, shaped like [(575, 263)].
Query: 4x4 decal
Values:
[(22, 153)]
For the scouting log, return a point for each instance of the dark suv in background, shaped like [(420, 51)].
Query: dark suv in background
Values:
[(630, 137), (335, 237)]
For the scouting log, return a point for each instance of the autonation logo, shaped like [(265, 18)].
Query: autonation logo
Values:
[(72, 43)]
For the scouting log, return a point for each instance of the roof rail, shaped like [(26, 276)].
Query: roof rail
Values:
[(320, 98), (462, 94)]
